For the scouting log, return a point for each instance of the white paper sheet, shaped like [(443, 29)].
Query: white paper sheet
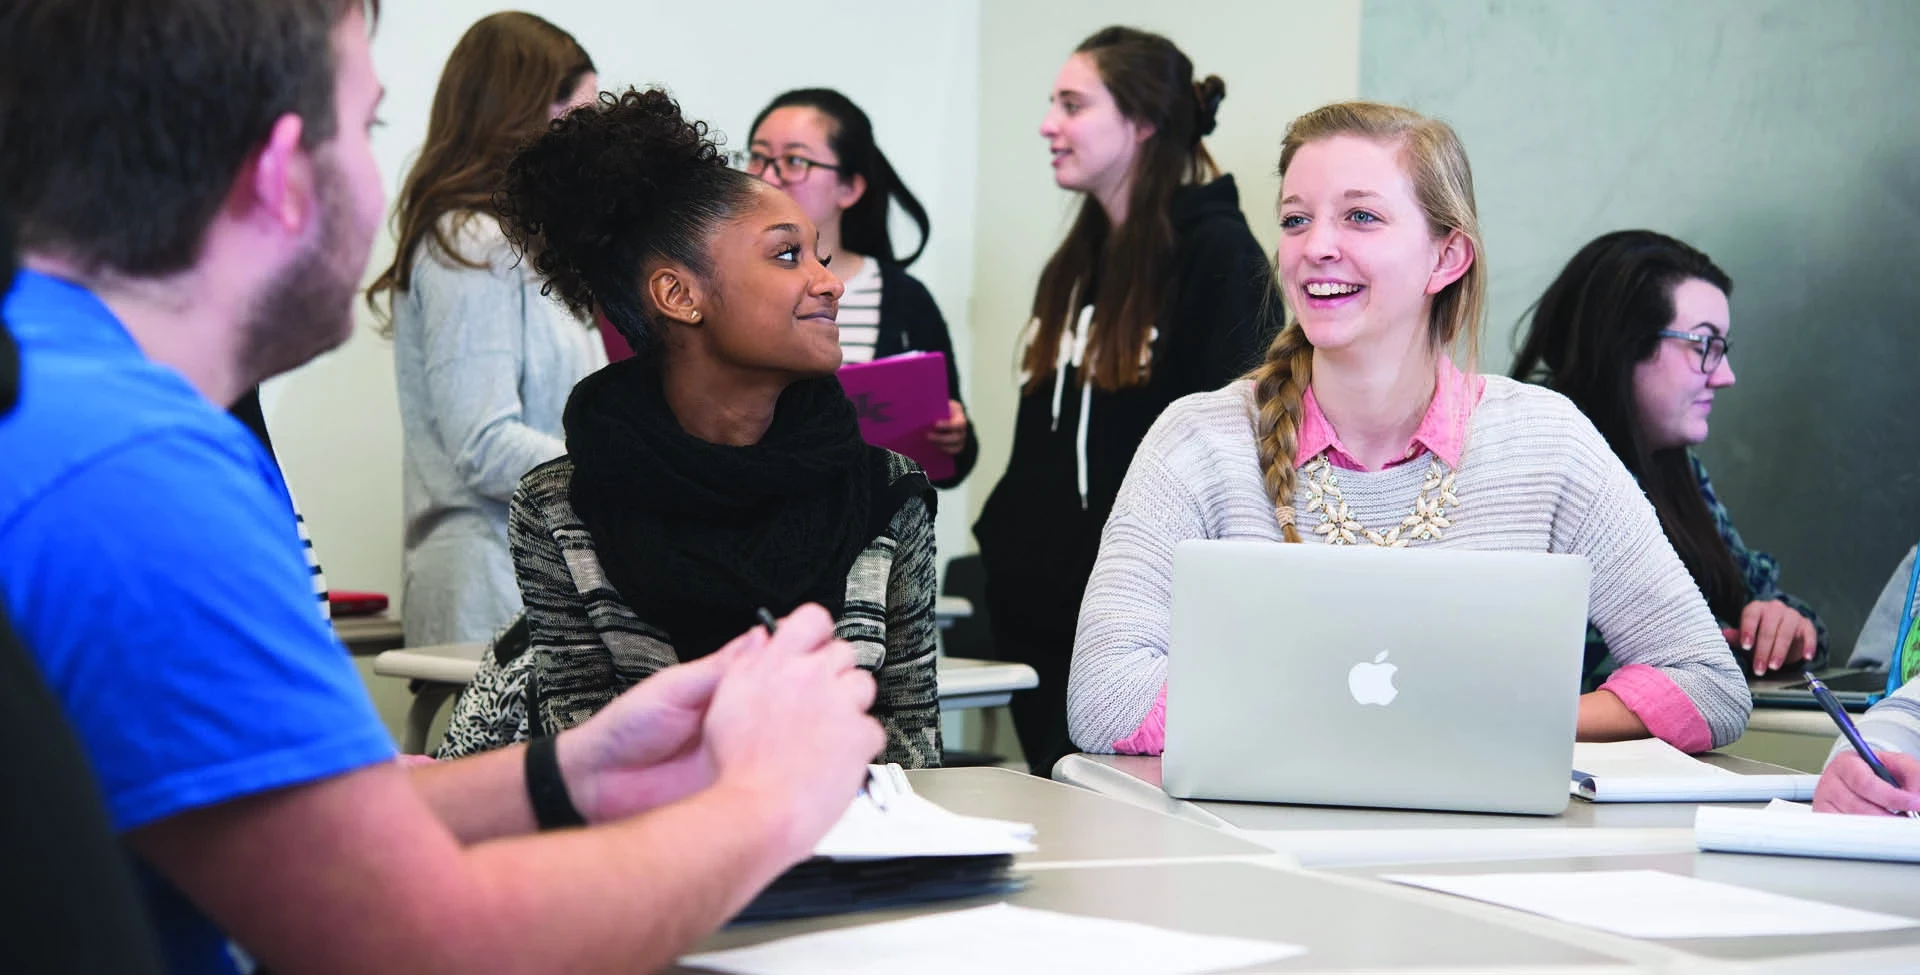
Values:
[(1650, 770), (1790, 829), (1000, 939), (912, 825), (1654, 904)]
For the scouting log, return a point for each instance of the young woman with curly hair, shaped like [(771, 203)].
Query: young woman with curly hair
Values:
[(719, 470)]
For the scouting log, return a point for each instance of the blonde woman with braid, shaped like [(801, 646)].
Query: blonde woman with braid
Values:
[(1358, 429)]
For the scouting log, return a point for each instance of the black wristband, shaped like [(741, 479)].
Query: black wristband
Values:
[(546, 790)]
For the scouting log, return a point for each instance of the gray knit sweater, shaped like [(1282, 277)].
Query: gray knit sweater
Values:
[(484, 364), (1535, 477), (586, 644)]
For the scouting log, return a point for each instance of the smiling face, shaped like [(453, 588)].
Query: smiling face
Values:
[(1092, 144), (769, 303), (1358, 261), (1672, 397)]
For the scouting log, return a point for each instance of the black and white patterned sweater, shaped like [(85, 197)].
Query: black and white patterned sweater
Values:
[(581, 644)]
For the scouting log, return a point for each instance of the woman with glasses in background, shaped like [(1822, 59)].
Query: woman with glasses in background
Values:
[(818, 146), (1635, 332), (483, 361)]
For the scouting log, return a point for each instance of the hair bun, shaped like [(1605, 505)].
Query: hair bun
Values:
[(597, 172), (1209, 92)]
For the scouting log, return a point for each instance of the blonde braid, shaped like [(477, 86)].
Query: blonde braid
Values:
[(1279, 385)]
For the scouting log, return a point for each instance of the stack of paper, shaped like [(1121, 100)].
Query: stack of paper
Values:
[(1650, 770), (1653, 904), (1787, 829), (1001, 939), (910, 825), (893, 847)]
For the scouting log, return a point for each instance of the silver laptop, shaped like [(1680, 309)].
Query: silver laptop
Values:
[(1407, 678)]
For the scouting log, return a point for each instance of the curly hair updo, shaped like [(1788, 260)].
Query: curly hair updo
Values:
[(611, 187)]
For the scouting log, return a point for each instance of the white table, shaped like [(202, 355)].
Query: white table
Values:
[(1328, 836), (1100, 857), (440, 672)]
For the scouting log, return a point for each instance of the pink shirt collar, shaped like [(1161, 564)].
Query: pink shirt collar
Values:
[(1442, 431)]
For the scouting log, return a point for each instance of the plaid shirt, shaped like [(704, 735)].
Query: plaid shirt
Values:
[(1761, 572)]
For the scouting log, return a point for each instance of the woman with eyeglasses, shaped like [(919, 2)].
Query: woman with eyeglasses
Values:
[(818, 146), (1159, 290), (1635, 332), (483, 361)]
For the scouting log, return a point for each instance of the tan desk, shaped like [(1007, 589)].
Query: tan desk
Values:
[(366, 635)]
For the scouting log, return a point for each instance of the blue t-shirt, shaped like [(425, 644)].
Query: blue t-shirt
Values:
[(150, 563)]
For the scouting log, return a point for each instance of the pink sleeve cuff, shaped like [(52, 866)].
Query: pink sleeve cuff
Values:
[(1151, 737), (1662, 706)]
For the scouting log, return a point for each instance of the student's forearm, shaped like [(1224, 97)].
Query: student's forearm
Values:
[(481, 797), (627, 897), (1604, 717)]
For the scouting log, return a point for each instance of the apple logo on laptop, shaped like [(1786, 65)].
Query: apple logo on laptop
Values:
[(1372, 683)]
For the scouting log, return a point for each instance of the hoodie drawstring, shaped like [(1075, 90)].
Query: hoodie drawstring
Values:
[(1073, 352)]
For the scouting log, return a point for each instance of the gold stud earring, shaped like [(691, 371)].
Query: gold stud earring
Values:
[(696, 316)]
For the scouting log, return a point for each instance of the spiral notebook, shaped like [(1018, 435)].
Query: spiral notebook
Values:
[(1650, 770), (1790, 829), (893, 847)]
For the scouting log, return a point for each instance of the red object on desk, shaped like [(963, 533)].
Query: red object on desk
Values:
[(344, 603)]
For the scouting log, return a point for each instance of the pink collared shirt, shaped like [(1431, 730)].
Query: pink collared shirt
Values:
[(1442, 430), (1661, 705)]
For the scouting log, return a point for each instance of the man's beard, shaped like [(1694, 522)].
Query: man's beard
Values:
[(307, 308)]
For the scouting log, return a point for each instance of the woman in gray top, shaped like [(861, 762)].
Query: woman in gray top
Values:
[(483, 361)]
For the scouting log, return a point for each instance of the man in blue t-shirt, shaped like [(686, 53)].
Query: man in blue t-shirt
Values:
[(195, 216)]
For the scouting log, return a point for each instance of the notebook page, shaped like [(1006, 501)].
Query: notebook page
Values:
[(907, 824), (1643, 759), (1650, 770), (1795, 831), (1654, 904)]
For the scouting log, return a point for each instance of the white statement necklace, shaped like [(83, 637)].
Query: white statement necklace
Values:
[(1339, 527)]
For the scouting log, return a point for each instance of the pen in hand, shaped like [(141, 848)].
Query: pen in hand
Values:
[(873, 791), (1852, 734)]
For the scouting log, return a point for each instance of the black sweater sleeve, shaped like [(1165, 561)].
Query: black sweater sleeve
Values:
[(910, 321)]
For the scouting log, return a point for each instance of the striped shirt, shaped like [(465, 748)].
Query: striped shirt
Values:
[(313, 564), (859, 317)]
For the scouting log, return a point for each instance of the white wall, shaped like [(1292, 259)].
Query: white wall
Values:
[(1278, 57), (913, 67)]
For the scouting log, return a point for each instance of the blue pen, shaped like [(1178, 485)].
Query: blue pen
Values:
[(1839, 716)]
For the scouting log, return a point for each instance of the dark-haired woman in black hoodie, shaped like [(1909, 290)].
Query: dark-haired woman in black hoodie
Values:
[(1159, 290), (718, 470)]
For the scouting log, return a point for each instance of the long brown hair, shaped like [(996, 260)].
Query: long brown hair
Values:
[(1152, 84), (1598, 320), (495, 96), (1443, 183)]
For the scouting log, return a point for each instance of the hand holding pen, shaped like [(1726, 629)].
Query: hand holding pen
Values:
[(1864, 784)]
